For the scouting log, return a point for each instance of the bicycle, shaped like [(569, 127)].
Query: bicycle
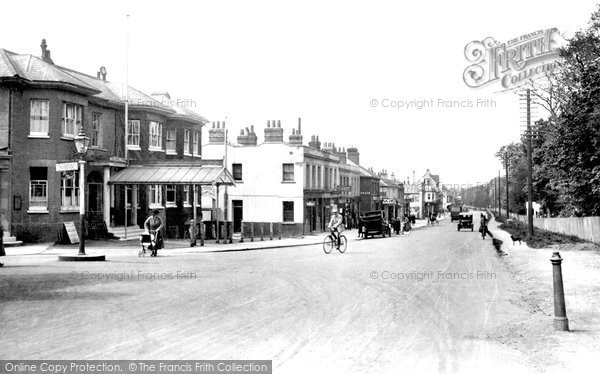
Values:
[(329, 242)]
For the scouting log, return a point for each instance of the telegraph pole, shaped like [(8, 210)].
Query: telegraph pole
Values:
[(507, 197), (529, 168), (499, 196)]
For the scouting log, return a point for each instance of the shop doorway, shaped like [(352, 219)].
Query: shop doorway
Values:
[(238, 215)]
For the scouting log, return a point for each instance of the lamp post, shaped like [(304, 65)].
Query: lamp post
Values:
[(81, 143)]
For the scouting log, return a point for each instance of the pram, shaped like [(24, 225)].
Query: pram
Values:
[(148, 241)]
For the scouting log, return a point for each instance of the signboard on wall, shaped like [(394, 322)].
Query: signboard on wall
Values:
[(67, 166)]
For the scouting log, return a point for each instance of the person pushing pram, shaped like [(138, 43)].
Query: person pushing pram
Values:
[(153, 237)]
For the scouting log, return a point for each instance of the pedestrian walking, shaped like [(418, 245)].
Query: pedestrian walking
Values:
[(483, 226)]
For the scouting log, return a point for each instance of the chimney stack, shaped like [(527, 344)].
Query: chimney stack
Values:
[(102, 73), (329, 147), (46, 52), (314, 142), (274, 133), (342, 154), (353, 155), (248, 137), (296, 137), (216, 135)]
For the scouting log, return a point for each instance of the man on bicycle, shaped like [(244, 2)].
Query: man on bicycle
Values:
[(336, 225)]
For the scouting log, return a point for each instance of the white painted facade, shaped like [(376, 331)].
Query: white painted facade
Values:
[(262, 188)]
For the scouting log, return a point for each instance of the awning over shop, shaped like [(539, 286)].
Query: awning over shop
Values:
[(182, 175)]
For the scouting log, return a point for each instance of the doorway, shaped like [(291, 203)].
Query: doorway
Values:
[(94, 192), (238, 215)]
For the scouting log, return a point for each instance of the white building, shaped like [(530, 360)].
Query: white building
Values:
[(279, 182)]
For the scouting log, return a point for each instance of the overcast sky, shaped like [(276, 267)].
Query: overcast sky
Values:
[(252, 61)]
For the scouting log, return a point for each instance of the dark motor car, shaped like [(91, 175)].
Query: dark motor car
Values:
[(465, 221), (373, 224)]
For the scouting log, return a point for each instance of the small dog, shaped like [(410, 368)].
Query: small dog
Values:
[(515, 239)]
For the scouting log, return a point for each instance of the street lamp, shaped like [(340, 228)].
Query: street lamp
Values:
[(81, 143)]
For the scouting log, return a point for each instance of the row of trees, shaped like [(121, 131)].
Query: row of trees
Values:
[(566, 145)]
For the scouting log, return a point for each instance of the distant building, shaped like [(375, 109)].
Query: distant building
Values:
[(392, 193), (424, 196)]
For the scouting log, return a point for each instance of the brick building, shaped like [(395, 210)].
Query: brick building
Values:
[(42, 108)]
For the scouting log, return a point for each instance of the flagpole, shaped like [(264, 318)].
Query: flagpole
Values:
[(225, 196), (126, 108)]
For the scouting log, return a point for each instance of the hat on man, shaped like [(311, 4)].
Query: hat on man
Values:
[(155, 211)]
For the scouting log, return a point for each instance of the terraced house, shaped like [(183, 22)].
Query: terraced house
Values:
[(43, 107)]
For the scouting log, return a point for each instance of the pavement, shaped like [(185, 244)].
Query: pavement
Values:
[(126, 248)]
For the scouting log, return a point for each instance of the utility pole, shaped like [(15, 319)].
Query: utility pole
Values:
[(507, 197), (529, 168), (499, 196)]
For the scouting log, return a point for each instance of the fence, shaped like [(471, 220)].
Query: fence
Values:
[(587, 228)]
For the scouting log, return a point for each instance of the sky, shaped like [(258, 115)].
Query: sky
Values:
[(336, 64)]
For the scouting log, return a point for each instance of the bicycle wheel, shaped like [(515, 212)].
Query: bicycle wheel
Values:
[(343, 244), (328, 244)]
